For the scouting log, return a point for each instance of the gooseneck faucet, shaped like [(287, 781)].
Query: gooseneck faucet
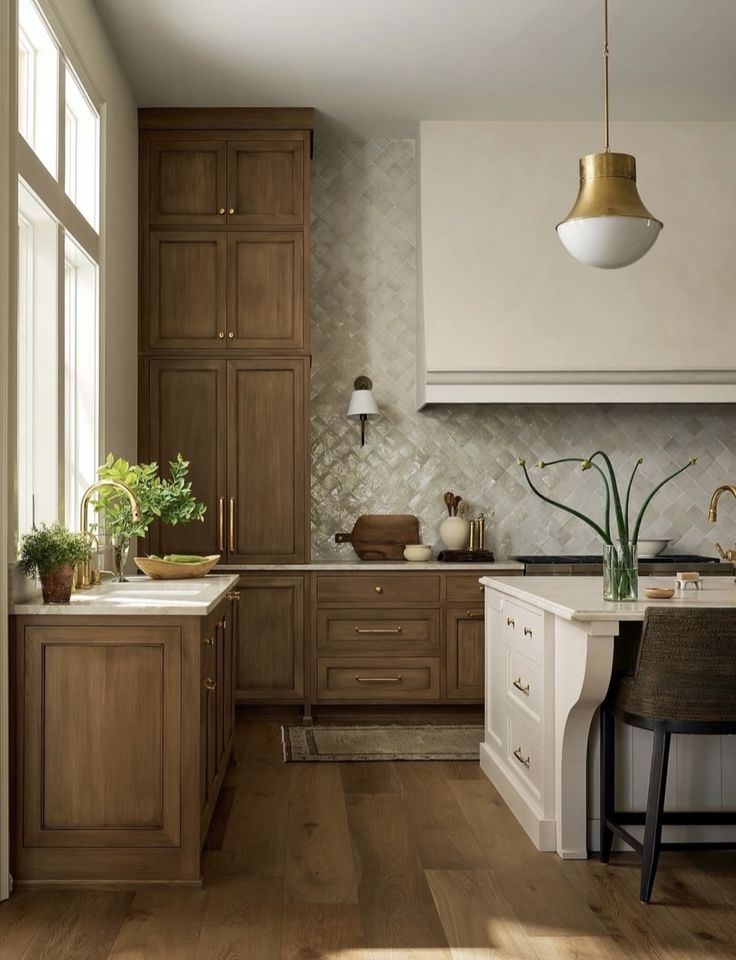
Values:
[(84, 572), (713, 509)]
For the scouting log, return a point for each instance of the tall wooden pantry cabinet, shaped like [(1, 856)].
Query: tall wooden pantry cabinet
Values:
[(224, 357)]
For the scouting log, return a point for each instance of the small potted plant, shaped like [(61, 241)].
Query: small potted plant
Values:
[(51, 553), (170, 501)]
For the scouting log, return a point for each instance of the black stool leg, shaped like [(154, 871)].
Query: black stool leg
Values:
[(655, 806), (607, 784)]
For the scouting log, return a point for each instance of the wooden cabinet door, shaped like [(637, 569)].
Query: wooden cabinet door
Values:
[(267, 460), (270, 638), (187, 182), (99, 727), (465, 650), (265, 295), (265, 176), (187, 289), (186, 413)]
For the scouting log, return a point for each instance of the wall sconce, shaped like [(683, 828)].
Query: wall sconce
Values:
[(362, 404)]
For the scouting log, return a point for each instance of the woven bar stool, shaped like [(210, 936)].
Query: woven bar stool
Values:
[(684, 682)]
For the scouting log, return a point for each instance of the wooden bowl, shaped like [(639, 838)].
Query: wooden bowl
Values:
[(170, 570), (659, 593)]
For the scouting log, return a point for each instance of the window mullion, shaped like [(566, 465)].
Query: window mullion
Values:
[(62, 478), (61, 121)]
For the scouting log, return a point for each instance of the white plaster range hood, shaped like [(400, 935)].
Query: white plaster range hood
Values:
[(506, 315)]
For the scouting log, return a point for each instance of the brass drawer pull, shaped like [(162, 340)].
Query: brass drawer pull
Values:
[(232, 525), (221, 522), (209, 684), (378, 630), (524, 687), (231, 211), (221, 210), (526, 761), (210, 641), (379, 589), (223, 623), (398, 679), (473, 613), (235, 595), (510, 622), (528, 632)]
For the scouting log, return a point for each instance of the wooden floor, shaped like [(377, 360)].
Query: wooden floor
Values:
[(383, 860)]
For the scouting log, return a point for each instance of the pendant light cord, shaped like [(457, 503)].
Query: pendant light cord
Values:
[(605, 73)]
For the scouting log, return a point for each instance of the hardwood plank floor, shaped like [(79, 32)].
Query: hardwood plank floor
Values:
[(383, 861)]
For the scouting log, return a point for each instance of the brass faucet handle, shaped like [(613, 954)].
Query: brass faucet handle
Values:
[(729, 555)]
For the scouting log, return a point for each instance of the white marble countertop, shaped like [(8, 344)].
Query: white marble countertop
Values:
[(369, 565), (140, 597), (581, 598)]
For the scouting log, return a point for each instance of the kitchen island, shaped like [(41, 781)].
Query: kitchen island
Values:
[(550, 645), (123, 707)]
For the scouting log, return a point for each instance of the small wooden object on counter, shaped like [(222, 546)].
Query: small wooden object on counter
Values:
[(158, 569), (659, 593), (381, 536), (686, 579)]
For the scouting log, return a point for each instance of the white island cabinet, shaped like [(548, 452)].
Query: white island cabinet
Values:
[(550, 645)]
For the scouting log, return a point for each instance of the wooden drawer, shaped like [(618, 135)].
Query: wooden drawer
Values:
[(379, 588), (524, 686), (464, 589), (523, 629), (364, 632), (524, 758), (376, 678)]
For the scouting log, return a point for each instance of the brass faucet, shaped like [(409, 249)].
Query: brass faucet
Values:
[(84, 572), (729, 555)]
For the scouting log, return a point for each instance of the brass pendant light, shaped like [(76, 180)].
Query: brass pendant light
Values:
[(608, 226)]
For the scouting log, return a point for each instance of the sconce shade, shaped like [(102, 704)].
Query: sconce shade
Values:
[(362, 404)]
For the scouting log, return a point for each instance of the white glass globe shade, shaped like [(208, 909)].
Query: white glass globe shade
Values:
[(609, 241)]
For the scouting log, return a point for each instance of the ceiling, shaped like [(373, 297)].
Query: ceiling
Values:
[(376, 67)]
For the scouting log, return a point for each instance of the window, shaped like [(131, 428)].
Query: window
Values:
[(58, 342), (80, 374), (37, 366), (81, 140), (38, 85)]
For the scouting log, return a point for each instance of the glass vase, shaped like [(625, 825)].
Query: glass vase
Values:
[(620, 571), (120, 548)]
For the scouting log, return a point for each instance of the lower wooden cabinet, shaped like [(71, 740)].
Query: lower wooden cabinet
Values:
[(122, 733), (270, 638), (465, 641)]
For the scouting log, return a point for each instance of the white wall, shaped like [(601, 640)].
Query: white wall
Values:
[(119, 223), (499, 291)]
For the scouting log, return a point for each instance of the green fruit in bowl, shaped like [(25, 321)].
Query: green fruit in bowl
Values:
[(183, 558)]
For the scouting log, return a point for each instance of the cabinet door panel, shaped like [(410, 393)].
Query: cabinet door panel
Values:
[(101, 769), (187, 290), (267, 481), (266, 181), (465, 654), (187, 414), (187, 182), (266, 290), (270, 640)]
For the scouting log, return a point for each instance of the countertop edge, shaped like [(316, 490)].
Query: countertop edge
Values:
[(36, 607)]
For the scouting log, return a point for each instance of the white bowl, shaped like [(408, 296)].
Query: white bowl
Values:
[(417, 552), (651, 548)]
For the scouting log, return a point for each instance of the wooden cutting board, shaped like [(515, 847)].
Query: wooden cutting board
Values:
[(381, 536)]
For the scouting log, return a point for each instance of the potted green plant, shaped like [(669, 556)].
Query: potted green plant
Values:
[(51, 553), (170, 501), (620, 560)]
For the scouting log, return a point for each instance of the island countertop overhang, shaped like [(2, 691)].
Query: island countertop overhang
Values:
[(139, 597), (581, 598)]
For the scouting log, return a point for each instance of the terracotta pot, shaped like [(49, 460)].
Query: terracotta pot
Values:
[(57, 585)]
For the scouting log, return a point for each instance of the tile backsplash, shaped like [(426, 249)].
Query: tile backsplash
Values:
[(364, 322)]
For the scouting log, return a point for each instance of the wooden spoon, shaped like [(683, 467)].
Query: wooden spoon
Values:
[(456, 501), (448, 503)]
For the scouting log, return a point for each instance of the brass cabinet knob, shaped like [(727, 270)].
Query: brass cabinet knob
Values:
[(234, 596), (379, 589), (472, 613), (209, 641), (221, 335), (231, 210), (231, 335), (209, 684), (221, 210)]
